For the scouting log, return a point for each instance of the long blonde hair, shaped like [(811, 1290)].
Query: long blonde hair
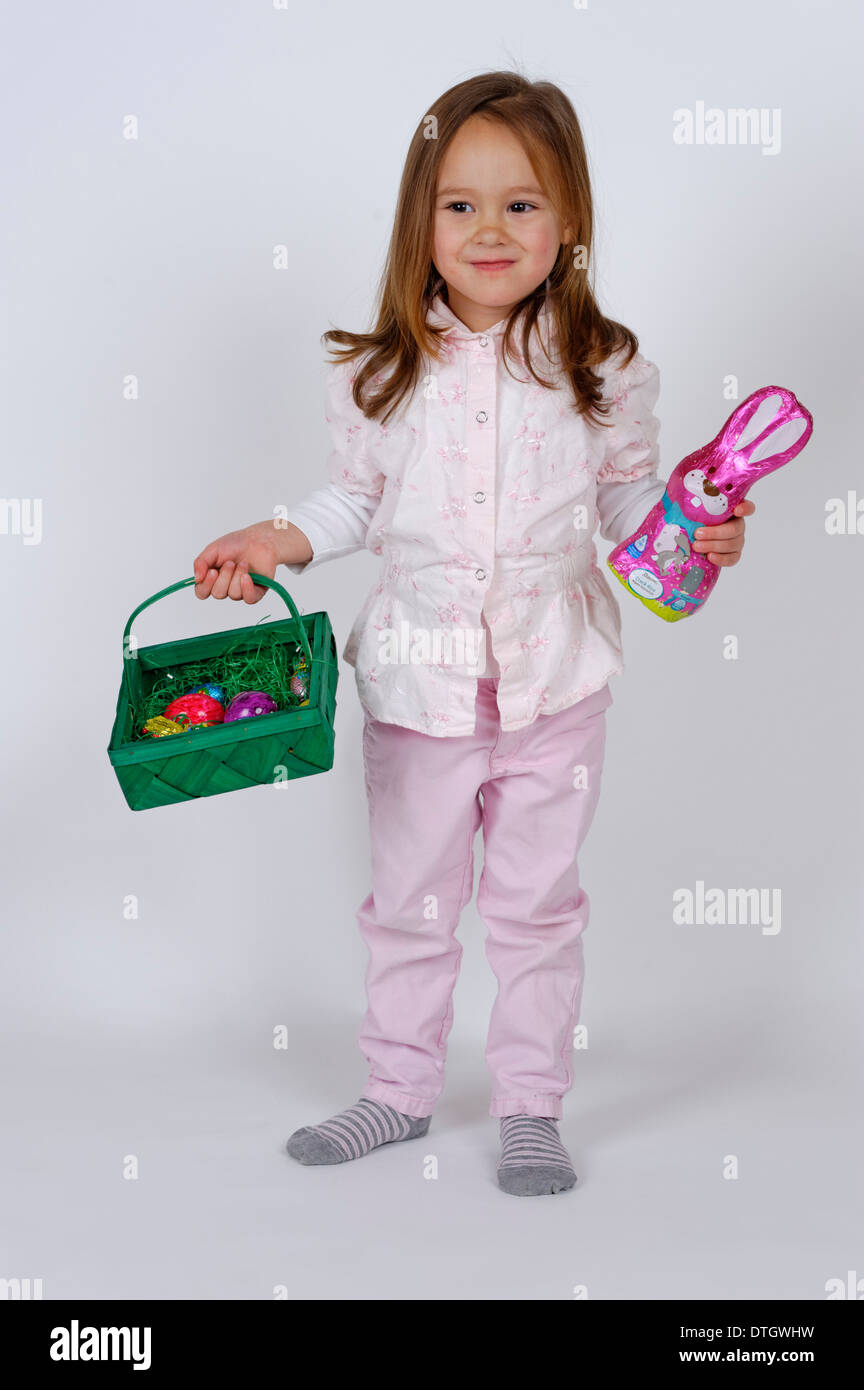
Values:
[(543, 119)]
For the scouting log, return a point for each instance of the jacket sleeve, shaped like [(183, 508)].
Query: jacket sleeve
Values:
[(627, 483), (632, 435), (335, 518), (353, 462)]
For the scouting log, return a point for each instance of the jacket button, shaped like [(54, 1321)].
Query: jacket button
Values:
[(481, 417), (479, 574), (479, 496)]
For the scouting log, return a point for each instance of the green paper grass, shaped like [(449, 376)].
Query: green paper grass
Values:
[(268, 667)]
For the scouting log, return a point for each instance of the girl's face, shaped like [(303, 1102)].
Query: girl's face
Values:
[(496, 235)]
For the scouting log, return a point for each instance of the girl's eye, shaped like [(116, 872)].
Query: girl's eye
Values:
[(459, 206)]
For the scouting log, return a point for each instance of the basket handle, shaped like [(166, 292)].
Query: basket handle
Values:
[(184, 584)]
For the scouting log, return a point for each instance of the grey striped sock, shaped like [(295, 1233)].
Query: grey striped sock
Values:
[(533, 1159), (354, 1132)]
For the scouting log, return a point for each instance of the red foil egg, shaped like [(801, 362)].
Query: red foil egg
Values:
[(199, 709)]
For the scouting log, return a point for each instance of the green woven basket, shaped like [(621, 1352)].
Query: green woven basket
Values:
[(270, 748)]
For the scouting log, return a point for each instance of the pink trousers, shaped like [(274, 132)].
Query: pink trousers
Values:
[(534, 791)]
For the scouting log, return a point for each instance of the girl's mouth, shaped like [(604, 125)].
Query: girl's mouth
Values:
[(491, 265)]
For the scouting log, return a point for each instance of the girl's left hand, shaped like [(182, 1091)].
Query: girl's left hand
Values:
[(723, 544)]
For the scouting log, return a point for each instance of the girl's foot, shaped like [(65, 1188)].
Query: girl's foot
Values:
[(533, 1159), (354, 1132)]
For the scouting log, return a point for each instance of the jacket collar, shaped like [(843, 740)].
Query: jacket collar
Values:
[(440, 315)]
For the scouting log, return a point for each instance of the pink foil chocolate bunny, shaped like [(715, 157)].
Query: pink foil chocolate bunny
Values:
[(656, 563)]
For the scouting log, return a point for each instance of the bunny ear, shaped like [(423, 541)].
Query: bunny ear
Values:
[(789, 411)]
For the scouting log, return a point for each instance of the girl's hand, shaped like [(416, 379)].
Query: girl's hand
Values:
[(222, 568), (723, 544)]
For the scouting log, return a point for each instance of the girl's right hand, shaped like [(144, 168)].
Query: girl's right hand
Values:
[(222, 570)]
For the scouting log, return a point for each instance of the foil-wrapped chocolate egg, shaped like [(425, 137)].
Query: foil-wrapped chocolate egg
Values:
[(299, 688), (198, 708), (248, 704), (216, 692), (159, 726)]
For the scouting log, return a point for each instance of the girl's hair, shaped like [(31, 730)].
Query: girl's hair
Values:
[(543, 119)]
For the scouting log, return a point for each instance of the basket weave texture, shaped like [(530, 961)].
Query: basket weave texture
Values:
[(268, 749)]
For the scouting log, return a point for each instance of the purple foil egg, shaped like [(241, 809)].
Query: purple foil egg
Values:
[(248, 704)]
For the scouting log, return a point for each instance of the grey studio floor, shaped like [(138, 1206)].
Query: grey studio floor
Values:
[(218, 1211), (152, 1040)]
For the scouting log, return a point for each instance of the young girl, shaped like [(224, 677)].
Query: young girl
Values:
[(489, 421)]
